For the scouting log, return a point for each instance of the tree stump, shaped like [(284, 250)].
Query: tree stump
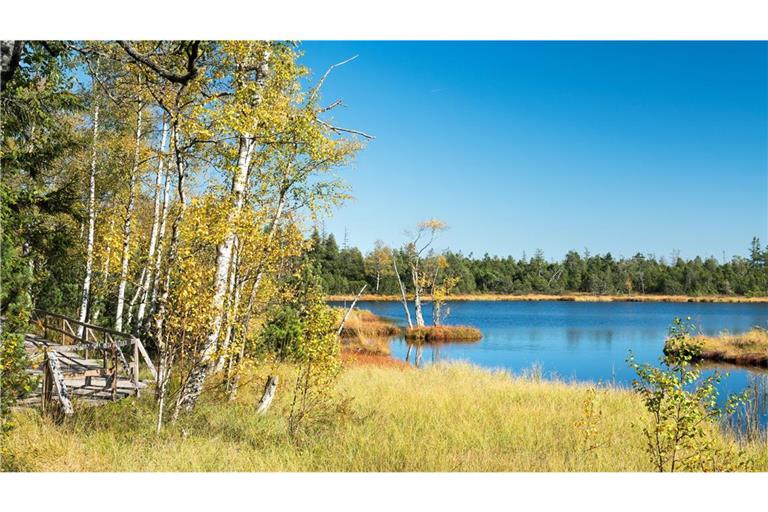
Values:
[(269, 394)]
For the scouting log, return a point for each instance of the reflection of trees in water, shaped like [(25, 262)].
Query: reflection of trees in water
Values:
[(418, 357), (574, 335)]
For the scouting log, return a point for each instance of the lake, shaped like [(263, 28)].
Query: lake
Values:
[(583, 341)]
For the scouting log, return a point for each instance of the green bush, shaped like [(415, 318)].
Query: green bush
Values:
[(681, 434)]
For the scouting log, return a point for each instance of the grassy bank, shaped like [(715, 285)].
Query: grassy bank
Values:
[(364, 323), (443, 333), (570, 298), (447, 418), (365, 333), (749, 348)]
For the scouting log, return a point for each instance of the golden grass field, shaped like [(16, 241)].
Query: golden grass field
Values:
[(443, 418), (534, 297)]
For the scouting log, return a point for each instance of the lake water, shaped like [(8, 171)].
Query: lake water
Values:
[(584, 341)]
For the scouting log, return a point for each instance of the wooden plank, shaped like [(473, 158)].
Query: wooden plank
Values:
[(59, 384), (135, 369), (147, 360), (84, 324), (114, 372)]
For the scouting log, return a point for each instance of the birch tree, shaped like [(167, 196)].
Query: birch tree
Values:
[(86, 296), (159, 212), (422, 239), (127, 225)]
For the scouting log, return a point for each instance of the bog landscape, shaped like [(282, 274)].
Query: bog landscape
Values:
[(344, 256)]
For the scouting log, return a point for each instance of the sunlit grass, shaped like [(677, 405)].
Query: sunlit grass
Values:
[(443, 333), (445, 418), (749, 348)]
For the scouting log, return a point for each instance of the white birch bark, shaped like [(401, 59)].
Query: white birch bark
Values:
[(149, 276), (233, 292), (91, 225), (164, 284), (246, 319), (417, 296), (126, 254), (194, 385), (134, 299), (160, 243), (403, 299)]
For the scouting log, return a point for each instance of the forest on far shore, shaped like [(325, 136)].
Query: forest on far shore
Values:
[(344, 270)]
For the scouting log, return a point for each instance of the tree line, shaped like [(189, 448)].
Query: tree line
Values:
[(344, 270), (164, 188)]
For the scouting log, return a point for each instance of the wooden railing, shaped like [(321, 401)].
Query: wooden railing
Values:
[(89, 338)]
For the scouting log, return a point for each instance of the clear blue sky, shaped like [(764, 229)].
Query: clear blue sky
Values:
[(518, 146)]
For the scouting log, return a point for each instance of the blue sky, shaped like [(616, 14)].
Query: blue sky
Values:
[(613, 146)]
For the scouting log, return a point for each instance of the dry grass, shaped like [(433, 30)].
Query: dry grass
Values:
[(443, 333), (365, 358), (364, 323), (574, 297), (444, 418), (749, 348)]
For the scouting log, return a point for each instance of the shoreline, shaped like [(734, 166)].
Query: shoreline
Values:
[(720, 299)]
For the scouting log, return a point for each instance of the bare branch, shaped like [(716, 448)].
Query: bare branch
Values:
[(339, 129), (330, 107), (316, 90)]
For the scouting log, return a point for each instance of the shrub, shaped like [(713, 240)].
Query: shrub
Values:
[(682, 432)]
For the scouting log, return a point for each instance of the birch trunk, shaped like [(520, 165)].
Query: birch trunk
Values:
[(246, 319), (417, 296), (194, 386), (134, 299), (91, 225), (126, 255), (270, 388), (158, 263), (163, 288), (402, 292), (230, 311), (149, 276)]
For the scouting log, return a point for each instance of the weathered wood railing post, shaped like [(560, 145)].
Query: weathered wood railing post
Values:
[(114, 372), (136, 365), (47, 384), (56, 378), (91, 340)]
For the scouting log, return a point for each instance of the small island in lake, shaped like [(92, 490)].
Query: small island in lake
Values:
[(747, 349)]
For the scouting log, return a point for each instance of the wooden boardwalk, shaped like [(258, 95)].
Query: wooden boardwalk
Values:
[(82, 363)]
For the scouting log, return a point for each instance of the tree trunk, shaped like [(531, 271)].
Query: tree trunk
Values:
[(402, 292), (417, 296), (270, 388), (91, 225), (132, 305), (246, 319), (160, 242), (346, 315), (163, 288), (194, 386), (153, 242), (233, 290), (126, 255)]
